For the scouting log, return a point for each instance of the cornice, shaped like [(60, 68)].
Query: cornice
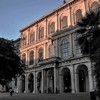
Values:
[(50, 14)]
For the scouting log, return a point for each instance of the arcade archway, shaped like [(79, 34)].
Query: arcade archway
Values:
[(50, 80), (31, 83), (83, 81), (65, 80)]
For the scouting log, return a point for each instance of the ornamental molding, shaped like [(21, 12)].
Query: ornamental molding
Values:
[(74, 61)]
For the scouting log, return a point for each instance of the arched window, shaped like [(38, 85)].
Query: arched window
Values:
[(78, 49), (32, 37), (40, 55), (31, 56), (64, 22), (78, 15), (77, 46), (51, 28), (24, 58), (41, 32), (64, 48), (23, 41), (94, 5)]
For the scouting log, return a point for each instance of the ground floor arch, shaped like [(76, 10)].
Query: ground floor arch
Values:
[(39, 82), (30, 82), (82, 78), (65, 80), (50, 81)]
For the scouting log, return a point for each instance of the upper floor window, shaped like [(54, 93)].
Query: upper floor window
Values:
[(41, 32), (64, 48), (50, 51), (94, 5), (24, 58), (31, 56), (40, 55), (32, 37), (64, 22), (23, 41), (78, 15), (77, 46), (51, 28)]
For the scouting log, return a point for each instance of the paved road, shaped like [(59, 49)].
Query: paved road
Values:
[(22, 96)]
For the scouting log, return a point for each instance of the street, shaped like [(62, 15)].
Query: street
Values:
[(30, 96)]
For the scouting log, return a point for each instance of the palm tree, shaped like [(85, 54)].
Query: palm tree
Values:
[(89, 39)]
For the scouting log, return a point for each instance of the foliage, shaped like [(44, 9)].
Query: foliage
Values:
[(89, 39), (10, 63)]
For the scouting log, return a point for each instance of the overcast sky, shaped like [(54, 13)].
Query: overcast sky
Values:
[(16, 14)]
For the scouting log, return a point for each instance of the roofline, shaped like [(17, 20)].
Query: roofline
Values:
[(46, 15)]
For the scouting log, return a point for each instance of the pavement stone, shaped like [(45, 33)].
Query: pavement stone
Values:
[(31, 96)]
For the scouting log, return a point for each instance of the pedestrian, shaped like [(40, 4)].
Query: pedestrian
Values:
[(11, 91)]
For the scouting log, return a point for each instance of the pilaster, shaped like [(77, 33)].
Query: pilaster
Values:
[(26, 83), (34, 82), (91, 88), (55, 80), (72, 79), (42, 85)]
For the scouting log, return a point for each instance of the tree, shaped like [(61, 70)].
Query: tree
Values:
[(10, 63), (89, 39)]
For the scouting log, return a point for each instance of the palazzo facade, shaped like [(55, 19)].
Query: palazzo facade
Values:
[(53, 57)]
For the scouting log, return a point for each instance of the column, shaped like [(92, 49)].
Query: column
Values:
[(34, 82), (55, 80), (35, 55), (13, 83), (45, 28), (42, 86), (70, 16), (28, 36), (76, 80), (26, 83), (57, 26), (37, 33), (27, 57), (72, 79), (20, 84), (90, 77)]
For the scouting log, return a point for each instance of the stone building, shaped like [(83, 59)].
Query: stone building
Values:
[(53, 57)]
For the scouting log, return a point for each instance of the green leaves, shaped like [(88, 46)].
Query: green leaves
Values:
[(10, 63)]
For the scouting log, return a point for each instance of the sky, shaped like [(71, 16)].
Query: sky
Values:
[(16, 14)]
